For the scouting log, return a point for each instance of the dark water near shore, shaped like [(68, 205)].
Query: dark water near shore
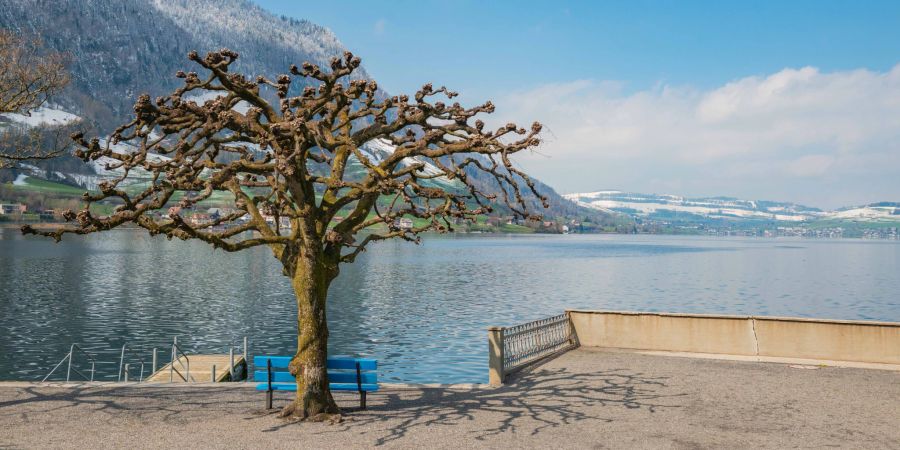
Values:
[(421, 310)]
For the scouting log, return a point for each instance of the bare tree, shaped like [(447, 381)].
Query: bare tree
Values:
[(288, 161), (29, 76)]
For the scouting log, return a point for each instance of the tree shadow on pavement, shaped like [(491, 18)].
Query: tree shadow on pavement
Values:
[(531, 402), (161, 404), (542, 398)]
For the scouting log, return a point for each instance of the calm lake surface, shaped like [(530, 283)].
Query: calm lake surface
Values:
[(422, 311)]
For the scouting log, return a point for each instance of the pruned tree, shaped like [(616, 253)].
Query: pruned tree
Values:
[(29, 76), (286, 163)]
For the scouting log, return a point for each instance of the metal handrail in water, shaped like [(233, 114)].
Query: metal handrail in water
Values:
[(176, 350), (70, 357), (122, 363), (231, 357), (93, 363)]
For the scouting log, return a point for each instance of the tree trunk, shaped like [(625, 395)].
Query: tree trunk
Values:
[(310, 280)]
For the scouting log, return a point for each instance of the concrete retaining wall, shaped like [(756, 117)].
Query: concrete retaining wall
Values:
[(776, 337)]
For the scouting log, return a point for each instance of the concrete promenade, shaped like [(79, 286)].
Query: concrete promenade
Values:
[(586, 398)]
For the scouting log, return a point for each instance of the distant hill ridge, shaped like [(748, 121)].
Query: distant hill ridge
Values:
[(662, 205)]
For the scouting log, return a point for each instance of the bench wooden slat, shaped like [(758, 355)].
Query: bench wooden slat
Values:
[(352, 387), (333, 377), (350, 377), (338, 363), (343, 363), (333, 386), (278, 362), (277, 377), (277, 386)]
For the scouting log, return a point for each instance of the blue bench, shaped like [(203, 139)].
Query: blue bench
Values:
[(344, 374)]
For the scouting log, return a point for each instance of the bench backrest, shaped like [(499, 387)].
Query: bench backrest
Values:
[(340, 369)]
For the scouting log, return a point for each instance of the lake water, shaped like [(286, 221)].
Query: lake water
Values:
[(422, 311)]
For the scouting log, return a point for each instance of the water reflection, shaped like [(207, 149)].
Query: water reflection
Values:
[(421, 310)]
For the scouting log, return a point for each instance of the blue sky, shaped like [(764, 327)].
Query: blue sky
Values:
[(616, 79)]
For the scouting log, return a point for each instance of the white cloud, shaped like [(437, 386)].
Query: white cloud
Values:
[(798, 134), (380, 26), (810, 165)]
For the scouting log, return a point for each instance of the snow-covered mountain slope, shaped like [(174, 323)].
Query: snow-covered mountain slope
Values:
[(877, 211), (121, 49), (651, 205), (378, 149), (233, 23), (48, 115)]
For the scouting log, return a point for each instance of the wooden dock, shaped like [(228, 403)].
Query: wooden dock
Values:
[(200, 369)]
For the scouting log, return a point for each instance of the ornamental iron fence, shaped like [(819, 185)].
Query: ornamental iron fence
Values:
[(526, 343)]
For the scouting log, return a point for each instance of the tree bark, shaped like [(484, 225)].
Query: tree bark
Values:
[(311, 279)]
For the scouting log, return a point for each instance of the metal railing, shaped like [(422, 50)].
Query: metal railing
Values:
[(528, 342), (124, 366), (176, 351), (179, 367), (231, 352), (70, 356)]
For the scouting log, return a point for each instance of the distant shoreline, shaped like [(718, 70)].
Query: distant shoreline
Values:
[(57, 225)]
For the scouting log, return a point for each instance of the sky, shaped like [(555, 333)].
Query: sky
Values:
[(796, 101)]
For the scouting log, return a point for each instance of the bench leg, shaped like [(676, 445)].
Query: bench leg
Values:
[(362, 399), (269, 383)]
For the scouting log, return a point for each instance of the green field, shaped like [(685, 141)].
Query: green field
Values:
[(48, 187), (855, 224), (58, 192)]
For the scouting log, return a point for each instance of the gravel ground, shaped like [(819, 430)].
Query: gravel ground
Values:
[(583, 399)]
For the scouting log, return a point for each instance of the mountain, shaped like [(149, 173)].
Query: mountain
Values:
[(121, 49), (724, 209)]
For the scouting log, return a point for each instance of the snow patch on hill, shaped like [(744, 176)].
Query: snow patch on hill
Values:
[(215, 22), (44, 116), (201, 98), (377, 150), (868, 212), (645, 205)]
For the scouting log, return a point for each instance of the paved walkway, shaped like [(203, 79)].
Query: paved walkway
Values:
[(583, 399)]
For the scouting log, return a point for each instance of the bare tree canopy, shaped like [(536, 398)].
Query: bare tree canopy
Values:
[(285, 164), (29, 77)]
